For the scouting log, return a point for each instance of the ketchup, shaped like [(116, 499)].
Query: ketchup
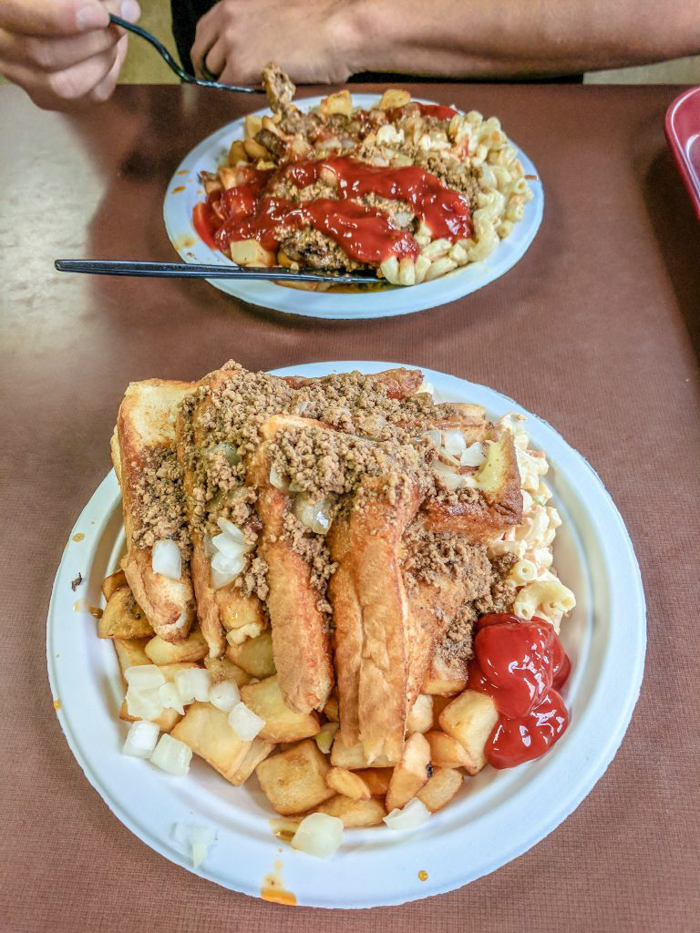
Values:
[(425, 110), (521, 666), (366, 234)]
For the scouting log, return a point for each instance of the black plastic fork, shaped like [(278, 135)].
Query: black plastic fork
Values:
[(173, 65)]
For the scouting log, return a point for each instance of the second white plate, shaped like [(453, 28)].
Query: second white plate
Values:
[(185, 191)]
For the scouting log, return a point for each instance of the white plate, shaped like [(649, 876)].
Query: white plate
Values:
[(498, 815), (185, 190)]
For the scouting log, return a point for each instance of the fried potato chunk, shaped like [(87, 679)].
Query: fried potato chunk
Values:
[(207, 732), (258, 751), (192, 648), (294, 781), (348, 783), (446, 751), (470, 718), (410, 774), (123, 617), (223, 669), (354, 813), (131, 652), (254, 655), (441, 788), (282, 723), (112, 583), (420, 718)]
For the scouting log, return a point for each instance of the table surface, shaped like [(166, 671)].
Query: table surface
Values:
[(596, 329)]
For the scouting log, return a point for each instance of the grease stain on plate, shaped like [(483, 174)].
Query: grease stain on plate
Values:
[(56, 704), (78, 537), (273, 889), (178, 189), (422, 875), (184, 241)]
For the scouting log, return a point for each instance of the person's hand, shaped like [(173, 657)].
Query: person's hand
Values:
[(306, 38), (63, 52)]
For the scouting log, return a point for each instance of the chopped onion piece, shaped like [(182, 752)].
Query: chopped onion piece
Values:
[(233, 531), (172, 755), (453, 442), (144, 704), (434, 437), (318, 834), (141, 739), (315, 516), (324, 737), (244, 722), (426, 386), (166, 559), (229, 451), (450, 478), (413, 815), (473, 455), (196, 840), (170, 697), (144, 676), (277, 481), (226, 546), (209, 548), (193, 684), (224, 695)]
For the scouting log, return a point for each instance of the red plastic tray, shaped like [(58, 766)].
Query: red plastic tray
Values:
[(683, 135)]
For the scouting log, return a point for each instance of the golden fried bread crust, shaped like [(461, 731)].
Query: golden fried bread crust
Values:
[(499, 506), (371, 614), (146, 427), (399, 383), (300, 638)]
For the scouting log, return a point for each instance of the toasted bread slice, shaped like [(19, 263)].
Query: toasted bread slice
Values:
[(143, 439), (492, 505), (399, 383), (300, 639), (371, 616), (226, 609)]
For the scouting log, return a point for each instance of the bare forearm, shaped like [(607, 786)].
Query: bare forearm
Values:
[(499, 38)]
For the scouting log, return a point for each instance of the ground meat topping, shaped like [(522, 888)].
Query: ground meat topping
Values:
[(159, 500), (499, 597), (432, 555)]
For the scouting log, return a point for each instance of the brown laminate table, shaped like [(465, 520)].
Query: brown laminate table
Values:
[(597, 330)]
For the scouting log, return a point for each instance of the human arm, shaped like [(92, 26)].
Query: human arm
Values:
[(63, 52), (327, 41)]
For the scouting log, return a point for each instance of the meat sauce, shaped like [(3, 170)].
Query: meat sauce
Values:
[(521, 666), (366, 234)]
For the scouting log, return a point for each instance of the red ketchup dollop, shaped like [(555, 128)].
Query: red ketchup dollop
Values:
[(521, 666), (366, 234)]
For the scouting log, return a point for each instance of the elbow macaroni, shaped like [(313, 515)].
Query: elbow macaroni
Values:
[(538, 590)]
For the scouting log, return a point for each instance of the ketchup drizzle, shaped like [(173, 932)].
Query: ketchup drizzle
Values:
[(521, 666), (366, 234)]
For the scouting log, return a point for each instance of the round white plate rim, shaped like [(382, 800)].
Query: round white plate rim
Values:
[(628, 663), (336, 306)]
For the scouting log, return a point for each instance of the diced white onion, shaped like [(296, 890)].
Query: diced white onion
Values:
[(233, 531), (434, 437), (194, 683), (473, 455), (277, 481), (426, 386), (166, 559), (144, 704), (225, 545), (209, 548), (244, 722), (313, 515), (172, 755), (228, 450), (144, 676), (324, 737), (450, 478), (141, 739), (196, 840), (453, 442), (221, 579), (224, 695), (414, 814), (170, 697), (318, 834)]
